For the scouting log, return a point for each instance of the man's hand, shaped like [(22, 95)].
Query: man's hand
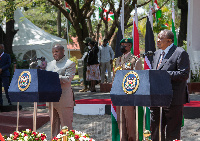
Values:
[(0, 70)]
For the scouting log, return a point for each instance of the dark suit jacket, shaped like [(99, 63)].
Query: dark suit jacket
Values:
[(5, 63), (177, 64), (92, 56)]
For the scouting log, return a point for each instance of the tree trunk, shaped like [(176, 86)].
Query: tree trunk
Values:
[(9, 36), (2, 35), (183, 5), (59, 23)]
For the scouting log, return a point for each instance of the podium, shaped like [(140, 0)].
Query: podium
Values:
[(34, 85), (152, 88)]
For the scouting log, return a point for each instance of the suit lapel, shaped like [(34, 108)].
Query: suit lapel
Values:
[(2, 57), (168, 55)]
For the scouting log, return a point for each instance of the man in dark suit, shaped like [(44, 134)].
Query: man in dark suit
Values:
[(5, 63), (176, 61)]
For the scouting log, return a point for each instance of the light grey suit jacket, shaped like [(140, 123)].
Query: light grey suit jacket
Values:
[(66, 70), (177, 64)]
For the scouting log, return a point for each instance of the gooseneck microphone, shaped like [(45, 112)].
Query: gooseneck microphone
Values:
[(148, 53)]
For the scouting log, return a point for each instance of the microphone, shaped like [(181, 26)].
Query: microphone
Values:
[(148, 53)]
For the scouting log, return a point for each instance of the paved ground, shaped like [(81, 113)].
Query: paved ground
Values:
[(100, 126)]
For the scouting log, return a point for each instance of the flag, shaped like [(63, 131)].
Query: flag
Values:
[(115, 129), (135, 34), (135, 50), (158, 14), (67, 7), (173, 25), (165, 25), (149, 45), (119, 38), (110, 15)]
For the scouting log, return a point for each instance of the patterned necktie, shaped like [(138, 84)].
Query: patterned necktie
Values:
[(161, 58)]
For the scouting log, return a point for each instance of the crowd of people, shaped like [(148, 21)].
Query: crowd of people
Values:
[(98, 59)]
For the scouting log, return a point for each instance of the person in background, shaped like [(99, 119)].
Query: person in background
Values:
[(62, 110), (84, 58), (43, 64), (105, 57), (175, 60), (5, 62), (93, 72), (127, 62)]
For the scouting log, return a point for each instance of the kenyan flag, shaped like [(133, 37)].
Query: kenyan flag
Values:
[(110, 15), (67, 7)]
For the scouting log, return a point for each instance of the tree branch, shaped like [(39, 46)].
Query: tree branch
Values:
[(140, 5), (147, 16)]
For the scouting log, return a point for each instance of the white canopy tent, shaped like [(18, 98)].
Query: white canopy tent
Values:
[(33, 42), (193, 34)]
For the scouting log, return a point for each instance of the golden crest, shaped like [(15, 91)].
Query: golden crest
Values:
[(130, 82), (126, 40), (24, 80)]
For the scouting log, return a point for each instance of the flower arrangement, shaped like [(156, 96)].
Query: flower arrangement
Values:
[(27, 135), (72, 135)]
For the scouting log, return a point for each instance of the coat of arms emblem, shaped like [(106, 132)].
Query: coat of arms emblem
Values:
[(24, 80), (130, 82)]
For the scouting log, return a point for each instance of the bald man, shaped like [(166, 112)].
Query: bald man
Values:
[(5, 63), (62, 110)]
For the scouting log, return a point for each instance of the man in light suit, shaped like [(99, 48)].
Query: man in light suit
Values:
[(127, 62), (62, 110), (5, 63), (176, 61)]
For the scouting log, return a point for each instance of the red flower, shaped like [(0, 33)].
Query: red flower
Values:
[(73, 131), (36, 138), (30, 130), (76, 137), (84, 136), (15, 137), (43, 137), (61, 132), (34, 133), (15, 133), (25, 135), (54, 139), (90, 139)]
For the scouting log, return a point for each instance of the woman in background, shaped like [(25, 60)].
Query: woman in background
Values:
[(93, 72)]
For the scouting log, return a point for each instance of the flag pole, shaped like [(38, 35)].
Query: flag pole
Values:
[(123, 18), (136, 107), (67, 33)]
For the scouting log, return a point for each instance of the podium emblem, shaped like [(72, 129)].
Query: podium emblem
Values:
[(24, 80), (130, 82)]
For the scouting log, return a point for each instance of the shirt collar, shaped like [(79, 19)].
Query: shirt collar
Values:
[(61, 60), (167, 49), (127, 54), (2, 54)]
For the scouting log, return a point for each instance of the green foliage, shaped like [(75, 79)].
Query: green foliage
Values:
[(7, 9), (195, 77), (184, 45)]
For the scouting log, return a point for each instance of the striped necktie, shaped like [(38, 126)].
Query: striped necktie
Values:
[(161, 58)]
